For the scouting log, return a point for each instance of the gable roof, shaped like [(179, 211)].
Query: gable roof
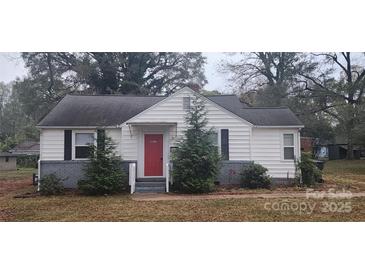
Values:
[(258, 116), (27, 147), (280, 116), (112, 110), (95, 110)]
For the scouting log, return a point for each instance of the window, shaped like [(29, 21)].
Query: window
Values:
[(6, 158), (186, 103), (82, 145), (288, 142), (225, 144)]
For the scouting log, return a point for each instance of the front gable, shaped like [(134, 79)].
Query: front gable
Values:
[(171, 109), (170, 113)]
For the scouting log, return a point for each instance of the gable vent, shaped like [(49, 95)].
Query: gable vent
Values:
[(186, 103)]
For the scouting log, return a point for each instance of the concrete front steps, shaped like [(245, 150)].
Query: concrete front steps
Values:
[(151, 185)]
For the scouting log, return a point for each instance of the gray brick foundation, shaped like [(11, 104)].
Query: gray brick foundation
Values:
[(229, 173), (73, 171), (70, 171)]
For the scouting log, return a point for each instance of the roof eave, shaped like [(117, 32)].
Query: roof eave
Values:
[(291, 126), (85, 127)]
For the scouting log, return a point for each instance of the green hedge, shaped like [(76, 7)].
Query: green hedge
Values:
[(27, 161)]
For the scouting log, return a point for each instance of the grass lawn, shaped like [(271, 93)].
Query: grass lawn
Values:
[(72, 207), (346, 173), (21, 173)]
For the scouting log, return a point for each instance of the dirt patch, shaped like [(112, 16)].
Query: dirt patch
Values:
[(186, 197), (6, 215), (27, 195), (8, 186)]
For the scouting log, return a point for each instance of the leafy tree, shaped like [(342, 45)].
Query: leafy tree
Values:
[(5, 92), (50, 78), (210, 92), (103, 173), (54, 74), (141, 72), (196, 157), (15, 125)]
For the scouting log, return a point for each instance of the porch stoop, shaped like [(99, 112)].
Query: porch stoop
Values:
[(151, 185)]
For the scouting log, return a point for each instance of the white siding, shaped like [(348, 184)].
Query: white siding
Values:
[(52, 144), (129, 143), (116, 135), (267, 150), (171, 111)]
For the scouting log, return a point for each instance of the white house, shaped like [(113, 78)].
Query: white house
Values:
[(145, 130)]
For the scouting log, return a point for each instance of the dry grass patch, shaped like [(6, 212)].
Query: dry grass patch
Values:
[(71, 207), (343, 173), (21, 173)]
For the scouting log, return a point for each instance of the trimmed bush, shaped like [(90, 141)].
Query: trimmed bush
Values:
[(104, 174), (254, 176), (51, 185), (311, 174)]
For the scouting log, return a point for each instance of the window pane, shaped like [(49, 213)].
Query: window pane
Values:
[(225, 144), (288, 140), (84, 139), (82, 152), (288, 153)]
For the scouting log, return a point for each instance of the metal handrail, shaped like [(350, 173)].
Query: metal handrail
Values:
[(39, 176)]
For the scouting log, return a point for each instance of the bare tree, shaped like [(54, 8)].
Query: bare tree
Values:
[(268, 76), (338, 86)]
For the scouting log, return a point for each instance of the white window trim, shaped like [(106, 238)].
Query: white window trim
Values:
[(74, 132), (293, 146), (218, 130)]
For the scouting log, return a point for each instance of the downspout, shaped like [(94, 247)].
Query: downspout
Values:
[(39, 175)]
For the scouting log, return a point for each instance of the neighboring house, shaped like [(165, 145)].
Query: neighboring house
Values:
[(337, 151), (7, 161), (145, 130), (26, 148), (306, 144)]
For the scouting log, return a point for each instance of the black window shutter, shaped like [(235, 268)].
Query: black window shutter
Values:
[(68, 145), (225, 144), (100, 139)]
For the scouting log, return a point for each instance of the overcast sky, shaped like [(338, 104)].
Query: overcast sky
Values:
[(12, 66)]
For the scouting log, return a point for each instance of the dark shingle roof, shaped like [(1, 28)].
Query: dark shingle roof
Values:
[(81, 110), (270, 116), (265, 116), (6, 154)]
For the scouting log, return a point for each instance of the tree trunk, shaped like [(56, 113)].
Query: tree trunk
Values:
[(350, 146)]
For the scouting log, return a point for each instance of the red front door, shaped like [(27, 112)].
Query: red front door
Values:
[(153, 154)]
